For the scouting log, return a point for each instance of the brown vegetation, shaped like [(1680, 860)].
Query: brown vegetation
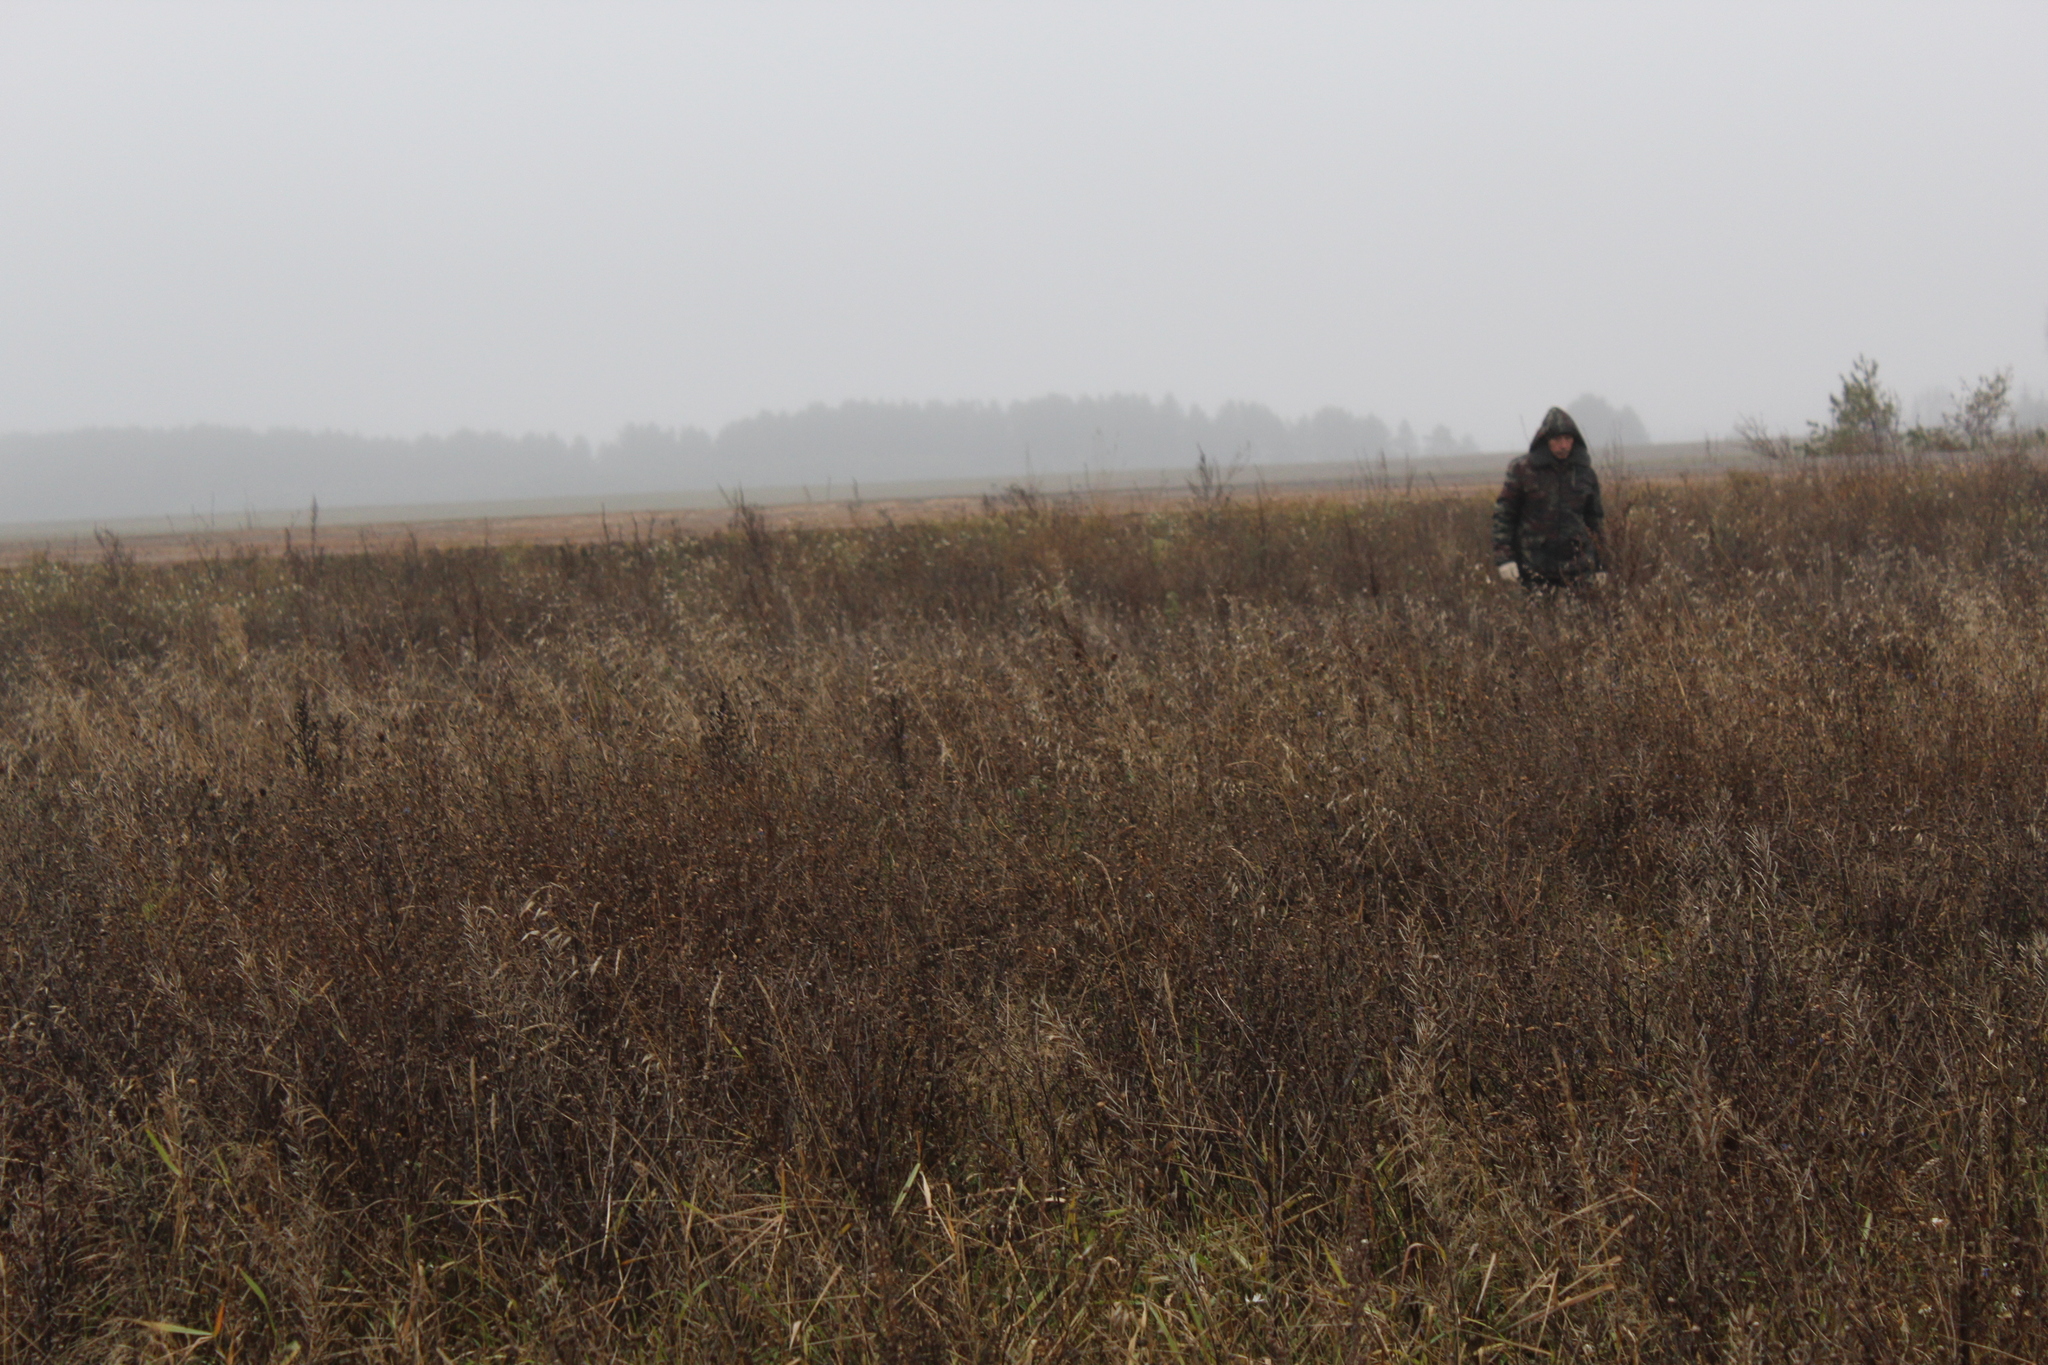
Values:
[(1246, 932)]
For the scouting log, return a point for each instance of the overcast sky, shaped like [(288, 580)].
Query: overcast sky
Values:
[(400, 218)]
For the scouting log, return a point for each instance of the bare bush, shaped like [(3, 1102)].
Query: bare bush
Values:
[(1759, 439), (1983, 411)]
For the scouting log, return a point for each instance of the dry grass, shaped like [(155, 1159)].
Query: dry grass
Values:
[(1243, 933)]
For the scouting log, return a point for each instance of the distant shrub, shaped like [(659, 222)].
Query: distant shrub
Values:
[(1863, 417), (1759, 439)]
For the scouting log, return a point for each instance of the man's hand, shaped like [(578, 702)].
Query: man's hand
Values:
[(1510, 572)]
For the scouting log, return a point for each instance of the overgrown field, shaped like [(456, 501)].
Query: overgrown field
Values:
[(1244, 932)]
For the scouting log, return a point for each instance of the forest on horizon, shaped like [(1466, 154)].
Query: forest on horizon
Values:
[(226, 471)]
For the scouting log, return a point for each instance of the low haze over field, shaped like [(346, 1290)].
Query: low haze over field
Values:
[(407, 221)]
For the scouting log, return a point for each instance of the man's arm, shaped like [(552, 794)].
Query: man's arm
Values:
[(1596, 522), (1507, 519)]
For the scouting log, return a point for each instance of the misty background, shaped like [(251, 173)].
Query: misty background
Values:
[(253, 254), (220, 472)]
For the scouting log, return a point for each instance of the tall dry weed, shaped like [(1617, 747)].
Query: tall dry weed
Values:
[(1246, 932)]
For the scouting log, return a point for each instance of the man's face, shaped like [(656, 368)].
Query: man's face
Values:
[(1561, 446)]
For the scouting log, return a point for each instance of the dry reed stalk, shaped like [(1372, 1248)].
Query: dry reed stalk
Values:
[(1050, 935)]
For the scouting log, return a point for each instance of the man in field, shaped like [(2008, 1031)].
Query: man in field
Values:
[(1546, 523)]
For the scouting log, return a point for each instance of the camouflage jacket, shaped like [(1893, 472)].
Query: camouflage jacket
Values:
[(1548, 516)]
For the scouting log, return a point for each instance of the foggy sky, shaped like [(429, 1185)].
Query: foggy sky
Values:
[(402, 218)]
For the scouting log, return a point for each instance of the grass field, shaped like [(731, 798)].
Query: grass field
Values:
[(1241, 932)]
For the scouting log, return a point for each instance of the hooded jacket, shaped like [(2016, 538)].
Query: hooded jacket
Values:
[(1548, 516)]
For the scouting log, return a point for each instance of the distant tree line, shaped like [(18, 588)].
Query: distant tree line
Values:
[(225, 471), (1605, 426)]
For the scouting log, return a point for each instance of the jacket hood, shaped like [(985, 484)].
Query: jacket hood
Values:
[(1558, 422)]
